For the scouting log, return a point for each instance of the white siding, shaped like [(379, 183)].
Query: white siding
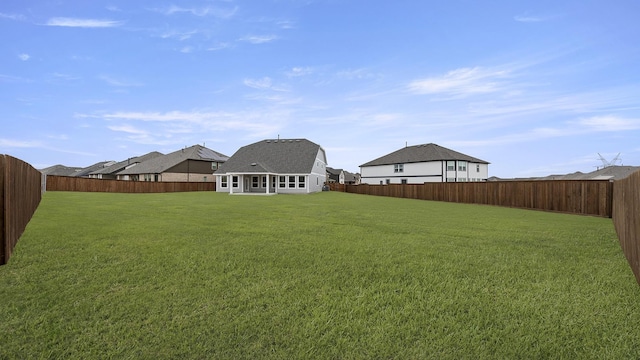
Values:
[(418, 173), (413, 173)]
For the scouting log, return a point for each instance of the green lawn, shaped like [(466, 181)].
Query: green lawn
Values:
[(329, 275)]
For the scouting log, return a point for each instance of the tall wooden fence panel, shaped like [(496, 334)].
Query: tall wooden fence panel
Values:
[(66, 183), (589, 197), (20, 194), (626, 219)]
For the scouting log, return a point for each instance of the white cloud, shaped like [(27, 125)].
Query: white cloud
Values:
[(462, 81), (527, 19), (264, 83), (128, 129), (118, 82), (219, 46), (204, 11), (12, 16), (531, 18), (10, 143), (180, 35), (358, 74), (82, 23), (256, 124), (591, 125), (259, 39), (285, 24), (299, 71), (24, 57), (186, 49), (608, 123)]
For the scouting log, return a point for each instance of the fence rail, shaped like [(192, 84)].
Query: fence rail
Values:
[(593, 197), (66, 183), (626, 219), (20, 194)]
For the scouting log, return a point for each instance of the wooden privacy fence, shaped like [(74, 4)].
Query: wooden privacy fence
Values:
[(626, 219), (589, 197), (20, 194), (65, 183)]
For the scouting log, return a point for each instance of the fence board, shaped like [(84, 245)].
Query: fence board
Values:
[(66, 183), (626, 219), (588, 197), (21, 191)]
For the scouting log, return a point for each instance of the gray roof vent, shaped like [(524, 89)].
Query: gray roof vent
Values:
[(254, 164)]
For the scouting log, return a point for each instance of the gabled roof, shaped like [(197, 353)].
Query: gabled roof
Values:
[(61, 170), (89, 169), (160, 164), (119, 166), (332, 171), (280, 156), (614, 172), (422, 153)]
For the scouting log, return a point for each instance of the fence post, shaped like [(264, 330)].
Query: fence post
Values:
[(3, 232)]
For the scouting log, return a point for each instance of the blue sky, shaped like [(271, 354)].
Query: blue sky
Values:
[(533, 87)]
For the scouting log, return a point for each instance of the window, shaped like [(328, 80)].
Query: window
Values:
[(273, 182), (292, 181), (264, 181), (462, 166), (234, 181), (451, 179), (301, 181), (223, 181), (451, 166), (478, 168), (214, 166), (282, 182), (254, 181), (398, 168), (388, 181), (403, 181)]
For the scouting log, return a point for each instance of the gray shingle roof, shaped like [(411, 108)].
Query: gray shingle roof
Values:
[(61, 170), (123, 164), (160, 164), (422, 153), (279, 156)]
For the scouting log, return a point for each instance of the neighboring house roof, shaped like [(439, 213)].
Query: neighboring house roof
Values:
[(61, 170), (333, 171), (279, 156), (89, 169), (422, 153), (160, 164), (334, 174), (607, 173), (119, 166), (350, 177)]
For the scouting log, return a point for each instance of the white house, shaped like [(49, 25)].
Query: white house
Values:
[(423, 163), (292, 166)]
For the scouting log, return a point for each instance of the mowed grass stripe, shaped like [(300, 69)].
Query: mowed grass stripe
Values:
[(329, 275)]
